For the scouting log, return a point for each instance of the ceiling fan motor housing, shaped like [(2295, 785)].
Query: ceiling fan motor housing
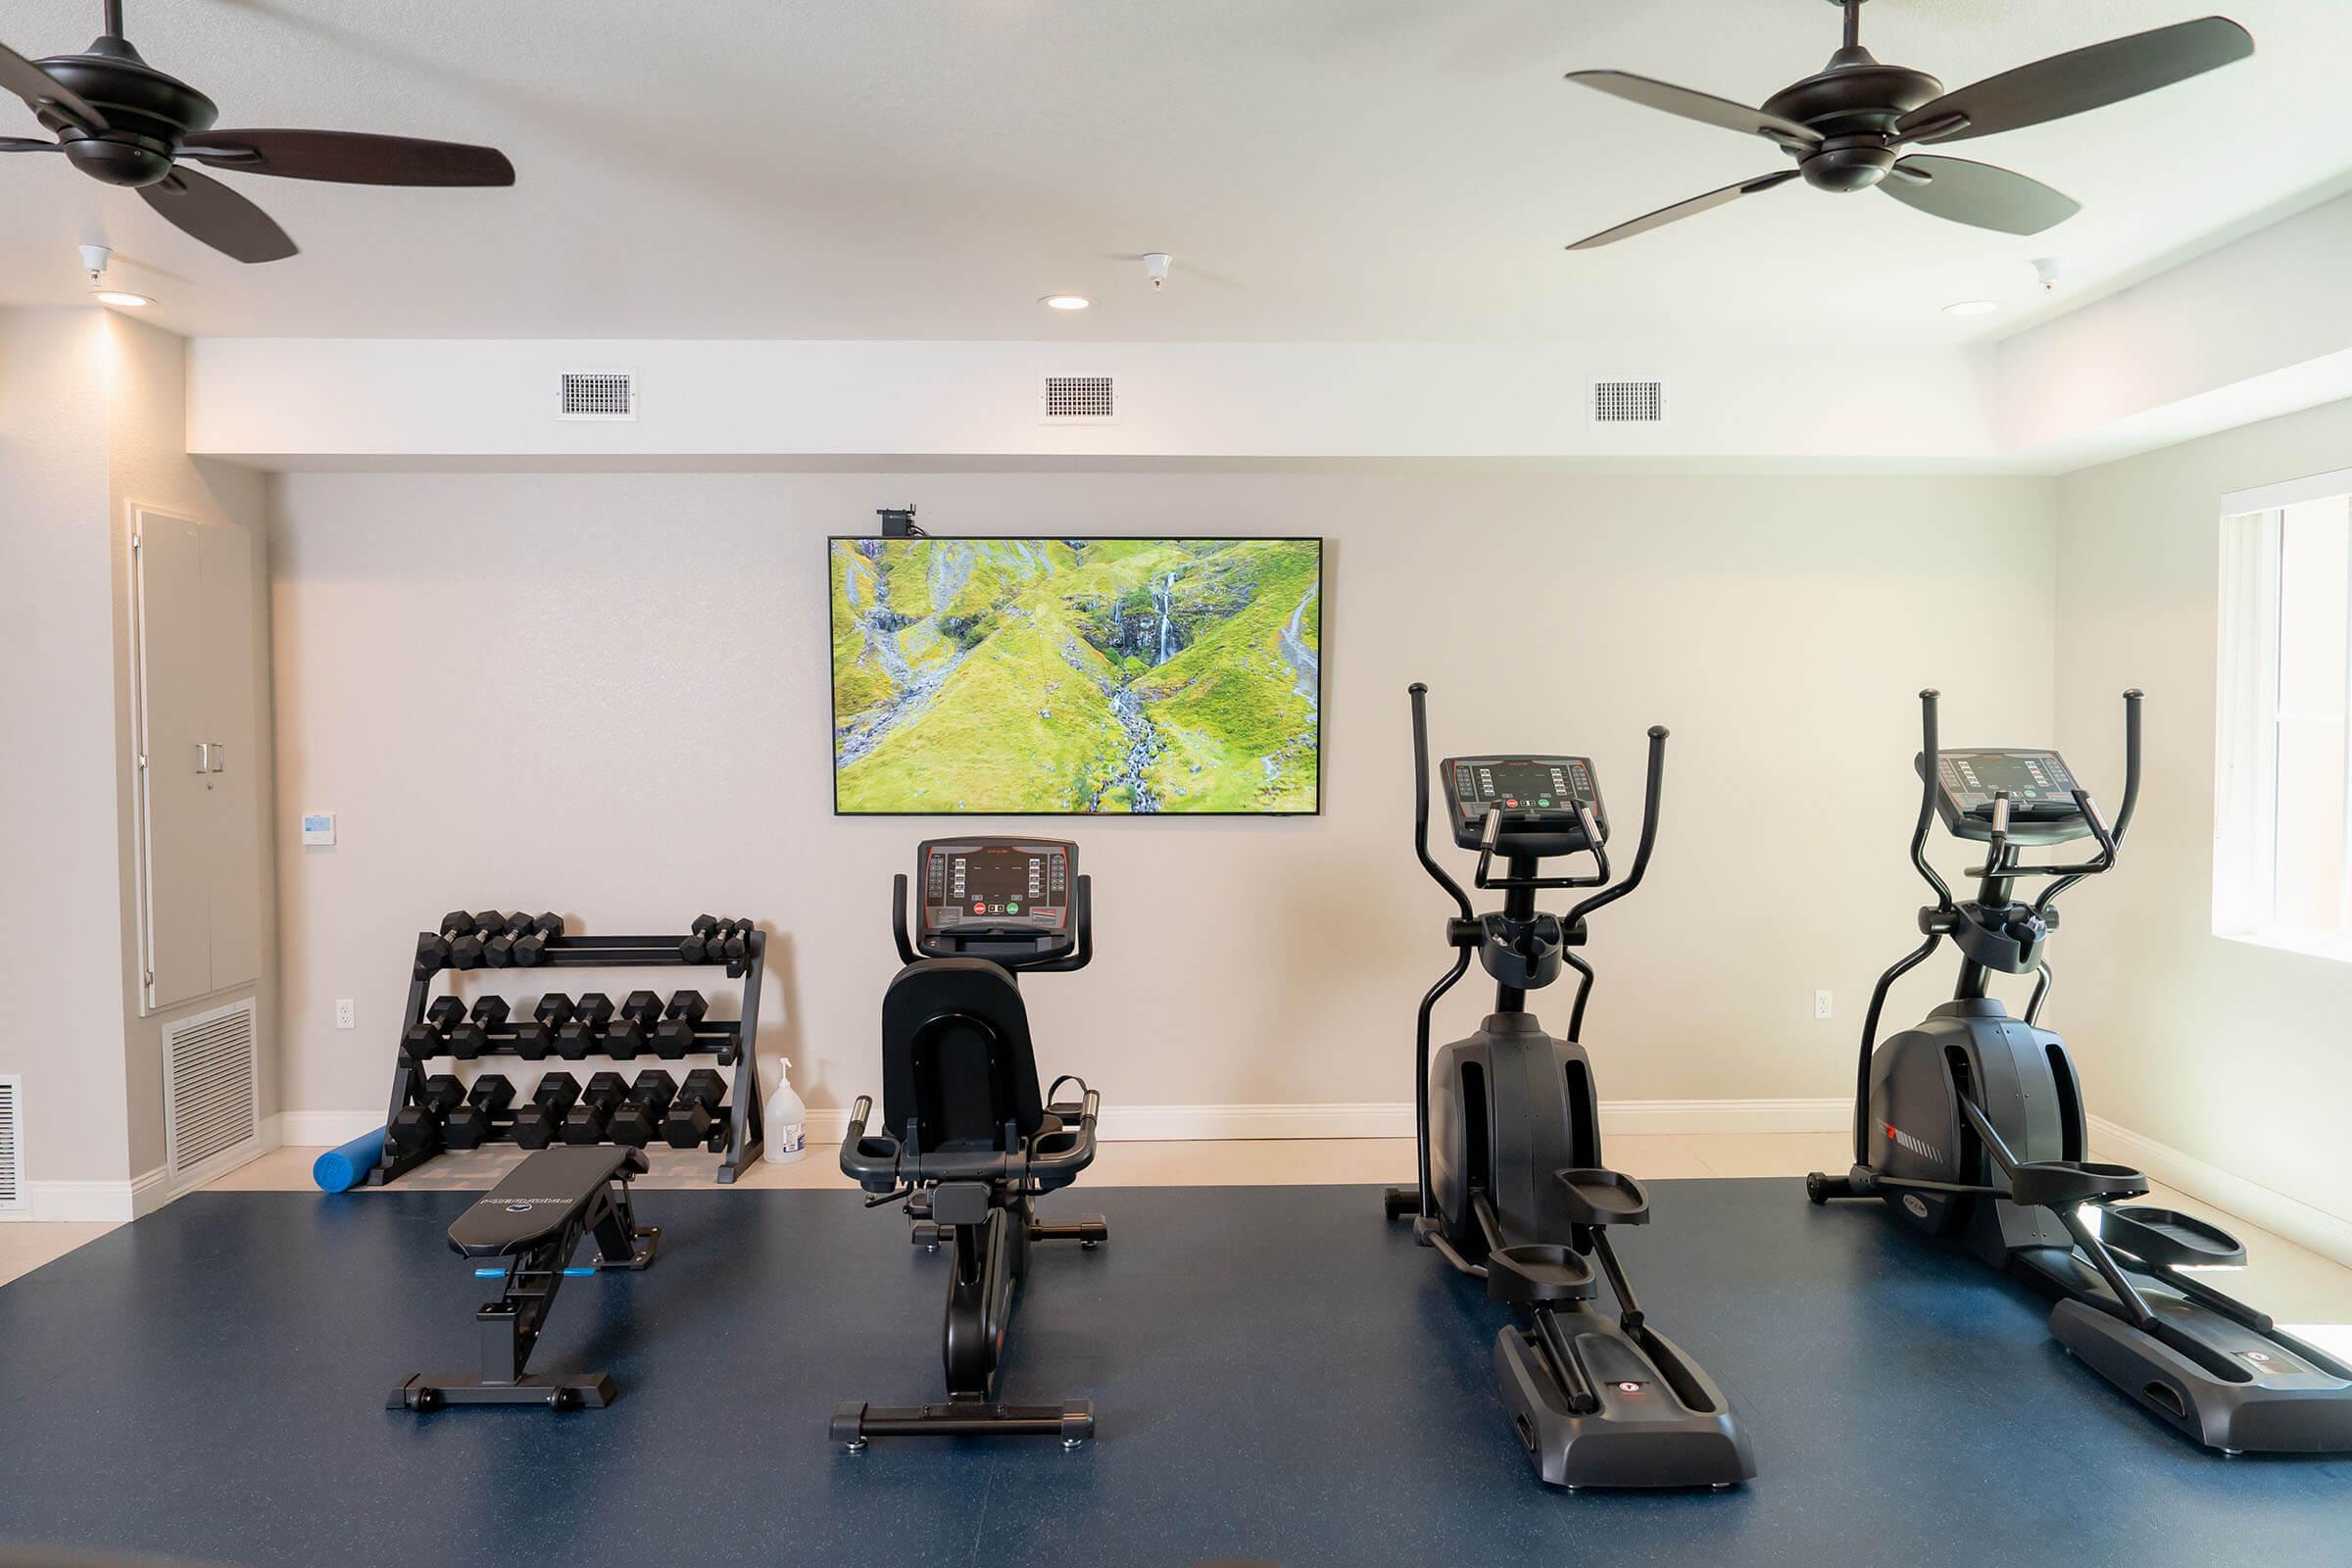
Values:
[(1854, 101), (148, 113)]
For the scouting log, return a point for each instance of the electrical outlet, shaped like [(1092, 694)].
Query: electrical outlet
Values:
[(346, 1016), (1821, 1004)]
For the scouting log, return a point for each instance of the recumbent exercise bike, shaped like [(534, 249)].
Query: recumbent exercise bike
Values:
[(968, 1143)]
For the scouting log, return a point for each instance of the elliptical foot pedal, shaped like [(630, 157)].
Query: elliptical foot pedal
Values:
[(2165, 1238), (1534, 1272), (1597, 1197)]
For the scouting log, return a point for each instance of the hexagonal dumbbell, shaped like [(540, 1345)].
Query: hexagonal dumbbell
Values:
[(530, 946), (535, 1036), (467, 951), (673, 1036), (638, 1120), (585, 1122), (697, 1109), (538, 1123), (468, 1039), (469, 1125), (583, 1032), (434, 946), (417, 1125), (429, 1037), (633, 1030)]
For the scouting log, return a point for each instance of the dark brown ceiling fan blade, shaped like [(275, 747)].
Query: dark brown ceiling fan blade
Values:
[(41, 91), (1977, 194), (2081, 80), (211, 212), (1705, 108), (25, 144), (349, 158), (1682, 210)]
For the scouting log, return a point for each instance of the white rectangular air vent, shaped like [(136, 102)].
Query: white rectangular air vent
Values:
[(211, 1104), (12, 1182), (598, 395), (1078, 400), (1629, 402)]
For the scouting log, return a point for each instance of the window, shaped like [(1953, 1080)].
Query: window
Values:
[(2282, 768)]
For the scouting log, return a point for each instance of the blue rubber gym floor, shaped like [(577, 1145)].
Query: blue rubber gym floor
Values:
[(1279, 1376)]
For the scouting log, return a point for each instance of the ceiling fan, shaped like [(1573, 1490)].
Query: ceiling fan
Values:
[(1847, 125), (119, 120)]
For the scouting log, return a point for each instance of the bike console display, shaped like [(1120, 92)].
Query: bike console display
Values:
[(2039, 786), (1538, 797), (994, 897)]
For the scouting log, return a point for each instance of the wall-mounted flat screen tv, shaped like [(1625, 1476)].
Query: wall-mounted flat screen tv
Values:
[(1030, 676)]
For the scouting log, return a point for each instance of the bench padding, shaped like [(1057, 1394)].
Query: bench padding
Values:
[(539, 1198)]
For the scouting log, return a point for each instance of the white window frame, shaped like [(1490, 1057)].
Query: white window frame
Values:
[(2247, 720)]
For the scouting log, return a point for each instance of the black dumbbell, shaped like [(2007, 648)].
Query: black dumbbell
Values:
[(636, 1122), (418, 1126), (498, 949), (673, 1036), (535, 1036), (432, 948), (471, 1038), (627, 1039), (582, 1032), (739, 942), (468, 1125), (537, 1124), (523, 939), (466, 951), (429, 1038), (691, 951), (695, 1111), (585, 1122)]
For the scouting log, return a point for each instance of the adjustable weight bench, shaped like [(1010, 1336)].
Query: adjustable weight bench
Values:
[(535, 1222)]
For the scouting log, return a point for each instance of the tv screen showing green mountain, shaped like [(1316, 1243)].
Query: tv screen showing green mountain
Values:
[(1005, 676)]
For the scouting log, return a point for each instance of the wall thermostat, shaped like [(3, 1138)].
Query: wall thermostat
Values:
[(318, 827)]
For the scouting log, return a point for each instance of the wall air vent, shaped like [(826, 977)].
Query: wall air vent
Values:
[(598, 395), (1078, 400), (12, 1182), (211, 1104), (1629, 402)]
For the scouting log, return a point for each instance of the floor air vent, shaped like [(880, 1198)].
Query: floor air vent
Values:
[(1078, 400), (598, 395), (211, 1088), (12, 1182), (1629, 402)]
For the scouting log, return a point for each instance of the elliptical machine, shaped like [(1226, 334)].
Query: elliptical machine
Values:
[(1971, 1125), (1511, 1185)]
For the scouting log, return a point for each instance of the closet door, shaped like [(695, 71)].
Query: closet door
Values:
[(176, 778), (232, 705), (197, 733)]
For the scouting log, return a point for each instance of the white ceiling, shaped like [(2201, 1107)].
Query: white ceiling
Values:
[(1322, 169)]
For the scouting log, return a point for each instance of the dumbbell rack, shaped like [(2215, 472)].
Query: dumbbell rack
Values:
[(731, 1042)]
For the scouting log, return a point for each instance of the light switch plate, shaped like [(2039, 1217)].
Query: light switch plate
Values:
[(318, 827)]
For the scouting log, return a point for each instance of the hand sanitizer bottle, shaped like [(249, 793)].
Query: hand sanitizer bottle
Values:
[(787, 1119)]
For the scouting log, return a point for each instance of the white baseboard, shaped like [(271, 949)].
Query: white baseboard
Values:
[(321, 1129), (2329, 1235), (1386, 1119), (96, 1200)]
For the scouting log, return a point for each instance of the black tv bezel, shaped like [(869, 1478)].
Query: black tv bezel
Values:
[(833, 695)]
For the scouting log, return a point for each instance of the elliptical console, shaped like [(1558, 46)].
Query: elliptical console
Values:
[(1512, 1186)]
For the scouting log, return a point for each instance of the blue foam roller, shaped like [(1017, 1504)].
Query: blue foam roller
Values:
[(339, 1170)]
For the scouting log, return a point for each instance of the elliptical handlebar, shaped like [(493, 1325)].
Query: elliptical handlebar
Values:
[(1928, 753), (1652, 792), (1419, 692)]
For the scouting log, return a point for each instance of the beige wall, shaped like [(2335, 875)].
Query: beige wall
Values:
[(2233, 1054), (148, 465), (607, 695), (58, 964)]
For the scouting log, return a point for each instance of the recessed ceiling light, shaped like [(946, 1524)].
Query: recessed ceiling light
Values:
[(1066, 302), (1972, 307), (120, 296)]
